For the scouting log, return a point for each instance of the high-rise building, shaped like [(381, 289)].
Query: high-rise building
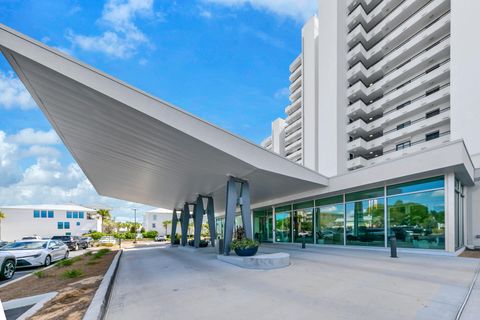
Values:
[(379, 80)]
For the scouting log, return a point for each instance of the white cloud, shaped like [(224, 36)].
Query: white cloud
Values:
[(13, 94), (205, 13), (47, 180), (282, 93), (299, 10), (122, 38), (30, 136)]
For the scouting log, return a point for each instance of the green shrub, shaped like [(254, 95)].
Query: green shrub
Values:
[(119, 235), (150, 234), (70, 274), (244, 243), (95, 235), (68, 262), (100, 253), (40, 274)]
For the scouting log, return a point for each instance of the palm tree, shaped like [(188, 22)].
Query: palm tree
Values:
[(105, 214), (165, 225), (2, 216)]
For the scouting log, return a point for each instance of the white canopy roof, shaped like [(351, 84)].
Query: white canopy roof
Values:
[(135, 147)]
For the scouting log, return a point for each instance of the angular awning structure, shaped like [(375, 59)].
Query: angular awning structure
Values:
[(135, 147)]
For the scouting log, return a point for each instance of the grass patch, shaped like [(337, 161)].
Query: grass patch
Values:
[(68, 262), (40, 274), (70, 274), (100, 253), (88, 254)]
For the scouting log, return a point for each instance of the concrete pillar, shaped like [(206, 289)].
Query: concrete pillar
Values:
[(211, 220), (231, 205), (245, 209), (185, 222), (174, 226), (198, 219)]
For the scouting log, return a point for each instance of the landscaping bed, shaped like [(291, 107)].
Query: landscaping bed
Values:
[(75, 280)]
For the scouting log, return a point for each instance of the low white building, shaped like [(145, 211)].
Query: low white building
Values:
[(47, 220), (153, 221)]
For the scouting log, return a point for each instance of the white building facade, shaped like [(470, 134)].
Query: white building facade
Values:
[(153, 221), (385, 80), (47, 221)]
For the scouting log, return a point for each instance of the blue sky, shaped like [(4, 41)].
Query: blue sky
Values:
[(225, 61)]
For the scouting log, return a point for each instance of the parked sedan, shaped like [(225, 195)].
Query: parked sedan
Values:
[(107, 240), (73, 242), (8, 264), (37, 252), (89, 241)]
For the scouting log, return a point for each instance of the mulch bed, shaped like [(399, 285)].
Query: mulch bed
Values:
[(470, 254), (75, 294)]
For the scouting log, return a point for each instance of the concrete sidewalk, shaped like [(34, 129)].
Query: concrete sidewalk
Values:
[(167, 283)]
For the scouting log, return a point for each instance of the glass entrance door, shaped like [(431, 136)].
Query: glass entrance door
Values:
[(263, 226)]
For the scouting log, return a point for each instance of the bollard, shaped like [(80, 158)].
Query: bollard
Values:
[(303, 242), (393, 247), (220, 246)]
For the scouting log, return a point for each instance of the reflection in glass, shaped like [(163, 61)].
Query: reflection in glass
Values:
[(365, 222), (418, 220), (263, 225), (303, 225), (219, 223), (283, 224), (330, 224)]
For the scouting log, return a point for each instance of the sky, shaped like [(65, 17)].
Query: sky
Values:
[(225, 61)]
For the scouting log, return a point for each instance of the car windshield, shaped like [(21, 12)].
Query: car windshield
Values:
[(25, 245), (63, 238)]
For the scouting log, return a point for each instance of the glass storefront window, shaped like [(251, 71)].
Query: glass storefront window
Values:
[(219, 223), (303, 225), (365, 222), (415, 186), (418, 220), (283, 226), (366, 194), (330, 224), (263, 225)]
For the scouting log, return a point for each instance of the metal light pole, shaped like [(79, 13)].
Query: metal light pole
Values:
[(135, 224)]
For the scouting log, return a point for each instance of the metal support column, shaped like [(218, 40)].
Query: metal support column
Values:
[(233, 200), (198, 220), (231, 205), (185, 222), (211, 220), (174, 227), (245, 209)]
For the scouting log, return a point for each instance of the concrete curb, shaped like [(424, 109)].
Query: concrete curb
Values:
[(37, 301), (98, 306), (26, 276)]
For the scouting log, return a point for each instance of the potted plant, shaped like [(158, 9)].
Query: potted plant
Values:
[(244, 247)]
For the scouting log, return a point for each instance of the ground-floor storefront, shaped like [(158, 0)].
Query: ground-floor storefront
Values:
[(425, 213)]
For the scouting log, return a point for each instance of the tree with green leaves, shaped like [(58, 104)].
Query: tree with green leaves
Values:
[(106, 217), (165, 225)]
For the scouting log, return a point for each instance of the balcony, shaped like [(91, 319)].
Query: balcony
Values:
[(293, 136), (425, 59), (368, 21), (294, 117), (293, 107), (391, 21), (431, 34), (294, 76), (393, 154), (361, 146), (295, 64), (297, 94), (291, 128), (416, 105), (291, 148), (367, 5), (295, 156), (416, 23), (297, 84)]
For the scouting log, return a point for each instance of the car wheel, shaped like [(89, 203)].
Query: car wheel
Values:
[(8, 270), (66, 255), (48, 261)]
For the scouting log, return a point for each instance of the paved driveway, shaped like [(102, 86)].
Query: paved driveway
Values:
[(327, 283)]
